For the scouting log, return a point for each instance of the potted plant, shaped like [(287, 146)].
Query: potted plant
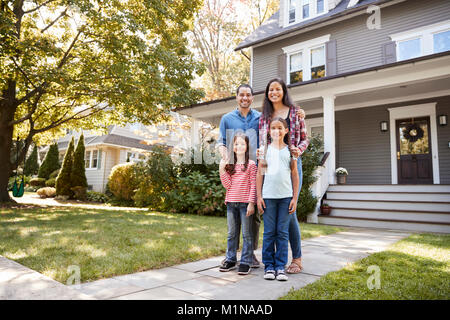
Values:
[(325, 209), (341, 174)]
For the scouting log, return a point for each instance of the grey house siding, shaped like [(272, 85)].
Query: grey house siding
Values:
[(360, 146), (357, 47), (443, 133), (364, 150)]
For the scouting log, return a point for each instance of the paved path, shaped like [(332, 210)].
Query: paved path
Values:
[(202, 280)]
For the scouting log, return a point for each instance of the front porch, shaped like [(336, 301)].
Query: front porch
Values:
[(348, 109)]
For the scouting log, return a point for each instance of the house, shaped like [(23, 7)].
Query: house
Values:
[(374, 79), (132, 142)]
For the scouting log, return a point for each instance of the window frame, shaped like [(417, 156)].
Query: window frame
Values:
[(91, 159), (299, 11)]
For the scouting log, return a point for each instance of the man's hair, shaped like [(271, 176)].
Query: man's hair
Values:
[(244, 85)]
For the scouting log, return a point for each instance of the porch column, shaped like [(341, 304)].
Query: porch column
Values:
[(329, 135), (196, 140)]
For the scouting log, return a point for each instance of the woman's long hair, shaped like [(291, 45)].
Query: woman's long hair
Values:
[(231, 167), (267, 108), (286, 140)]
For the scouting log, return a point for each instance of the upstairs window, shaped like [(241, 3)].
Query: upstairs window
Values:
[(409, 49), (441, 41), (300, 10), (295, 68)]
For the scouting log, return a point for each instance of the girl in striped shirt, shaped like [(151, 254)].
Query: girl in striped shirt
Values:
[(239, 179)]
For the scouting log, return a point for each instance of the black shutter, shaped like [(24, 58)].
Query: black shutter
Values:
[(331, 58), (282, 67), (389, 52)]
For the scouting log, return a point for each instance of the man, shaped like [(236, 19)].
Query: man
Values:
[(244, 119)]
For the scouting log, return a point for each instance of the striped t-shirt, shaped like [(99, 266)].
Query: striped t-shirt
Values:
[(241, 186)]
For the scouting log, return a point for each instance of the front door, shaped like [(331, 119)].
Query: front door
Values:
[(414, 161)]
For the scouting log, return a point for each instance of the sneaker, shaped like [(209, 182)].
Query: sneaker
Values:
[(269, 275), (281, 275), (227, 266), (255, 262), (244, 269)]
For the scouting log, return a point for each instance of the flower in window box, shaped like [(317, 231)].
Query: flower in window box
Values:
[(341, 171)]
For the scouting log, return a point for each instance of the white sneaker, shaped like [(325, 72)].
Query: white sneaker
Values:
[(281, 275), (269, 275)]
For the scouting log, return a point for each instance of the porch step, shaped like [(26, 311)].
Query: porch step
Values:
[(406, 207), (385, 224)]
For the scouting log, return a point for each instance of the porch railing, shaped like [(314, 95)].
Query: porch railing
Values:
[(319, 187)]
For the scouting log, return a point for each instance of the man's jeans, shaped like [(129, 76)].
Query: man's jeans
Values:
[(236, 216), (276, 235), (294, 228)]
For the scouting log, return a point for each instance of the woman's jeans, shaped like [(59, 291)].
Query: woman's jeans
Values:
[(294, 228), (276, 236), (236, 216)]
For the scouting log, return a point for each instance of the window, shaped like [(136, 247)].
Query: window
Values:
[(91, 159), (94, 159), (318, 62), (87, 159), (299, 10), (422, 41), (441, 41), (295, 72), (306, 60), (409, 49)]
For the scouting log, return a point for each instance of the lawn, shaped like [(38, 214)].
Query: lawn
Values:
[(417, 267), (106, 243)]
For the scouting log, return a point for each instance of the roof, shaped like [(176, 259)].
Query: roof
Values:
[(112, 139), (271, 28)]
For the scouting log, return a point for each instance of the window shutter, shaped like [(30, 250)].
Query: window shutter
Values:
[(282, 67), (99, 160), (389, 52), (331, 58)]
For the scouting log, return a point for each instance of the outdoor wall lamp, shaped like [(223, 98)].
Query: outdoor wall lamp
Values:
[(443, 120), (383, 126)]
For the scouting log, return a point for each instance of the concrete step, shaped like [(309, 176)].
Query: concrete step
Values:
[(385, 224), (391, 215), (431, 188), (390, 205), (389, 196)]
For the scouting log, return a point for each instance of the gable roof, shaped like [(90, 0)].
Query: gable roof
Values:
[(271, 28)]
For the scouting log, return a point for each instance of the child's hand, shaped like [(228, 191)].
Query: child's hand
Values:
[(293, 206), (301, 113), (250, 209), (261, 205)]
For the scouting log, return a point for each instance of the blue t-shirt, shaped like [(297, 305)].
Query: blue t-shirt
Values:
[(233, 122), (277, 180)]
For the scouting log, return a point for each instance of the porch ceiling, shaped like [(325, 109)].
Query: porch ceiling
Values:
[(424, 77)]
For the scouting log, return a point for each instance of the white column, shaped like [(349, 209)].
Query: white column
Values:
[(329, 135), (196, 140)]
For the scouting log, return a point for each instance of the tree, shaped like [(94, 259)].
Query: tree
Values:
[(63, 184), (50, 163), (31, 165), (78, 172), (89, 63)]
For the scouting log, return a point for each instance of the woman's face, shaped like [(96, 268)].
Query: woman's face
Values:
[(277, 131), (275, 93), (240, 147)]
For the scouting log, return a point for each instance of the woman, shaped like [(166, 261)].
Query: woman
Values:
[(277, 103)]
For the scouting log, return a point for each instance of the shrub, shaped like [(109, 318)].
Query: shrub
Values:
[(54, 174), (50, 182), (37, 182), (31, 164), (62, 183), (97, 197), (79, 192), (310, 161), (123, 181), (50, 163), (47, 192), (78, 171)]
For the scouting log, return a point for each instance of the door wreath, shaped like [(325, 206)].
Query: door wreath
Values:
[(413, 132)]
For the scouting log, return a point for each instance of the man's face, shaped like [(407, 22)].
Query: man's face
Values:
[(244, 97)]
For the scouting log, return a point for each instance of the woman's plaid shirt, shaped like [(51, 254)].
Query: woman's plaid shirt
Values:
[(298, 132)]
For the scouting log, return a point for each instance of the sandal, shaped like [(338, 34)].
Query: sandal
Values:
[(295, 267)]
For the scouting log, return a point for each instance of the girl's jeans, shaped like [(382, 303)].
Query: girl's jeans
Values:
[(294, 228), (276, 235), (236, 216)]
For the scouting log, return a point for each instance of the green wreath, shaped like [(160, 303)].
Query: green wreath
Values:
[(413, 132)]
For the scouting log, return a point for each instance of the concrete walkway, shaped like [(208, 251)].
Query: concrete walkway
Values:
[(202, 280)]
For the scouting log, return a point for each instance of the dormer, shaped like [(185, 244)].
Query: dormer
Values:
[(296, 11)]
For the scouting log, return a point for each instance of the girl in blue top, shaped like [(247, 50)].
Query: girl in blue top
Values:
[(277, 183)]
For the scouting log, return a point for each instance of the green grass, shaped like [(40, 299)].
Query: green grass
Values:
[(106, 243), (414, 268)]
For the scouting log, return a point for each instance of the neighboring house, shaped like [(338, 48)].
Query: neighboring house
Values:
[(133, 143), (364, 72)]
